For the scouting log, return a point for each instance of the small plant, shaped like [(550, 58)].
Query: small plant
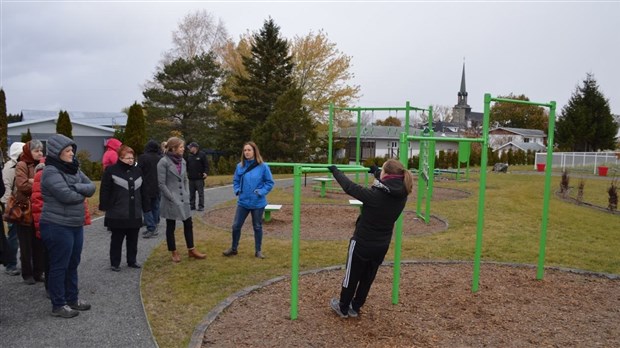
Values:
[(582, 184), (564, 184), (613, 195)]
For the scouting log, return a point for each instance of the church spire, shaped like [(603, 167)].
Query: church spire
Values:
[(463, 89)]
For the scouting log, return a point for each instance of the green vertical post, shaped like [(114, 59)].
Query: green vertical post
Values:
[(295, 240), (431, 177), (398, 238), (358, 143), (482, 190), (330, 136), (545, 216)]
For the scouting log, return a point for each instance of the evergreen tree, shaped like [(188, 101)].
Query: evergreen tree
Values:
[(26, 137), (3, 123), (288, 131), (586, 123), (269, 75), (179, 100), (135, 131), (63, 125)]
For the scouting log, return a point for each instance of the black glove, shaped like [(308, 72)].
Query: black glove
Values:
[(332, 168), (373, 169)]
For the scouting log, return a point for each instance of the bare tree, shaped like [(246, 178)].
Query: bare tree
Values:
[(442, 113), (198, 33)]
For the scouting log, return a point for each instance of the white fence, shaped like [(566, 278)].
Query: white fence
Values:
[(580, 159)]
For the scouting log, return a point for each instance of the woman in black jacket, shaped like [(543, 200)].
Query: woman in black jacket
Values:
[(382, 205), (121, 196)]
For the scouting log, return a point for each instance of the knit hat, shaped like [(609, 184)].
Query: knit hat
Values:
[(193, 144)]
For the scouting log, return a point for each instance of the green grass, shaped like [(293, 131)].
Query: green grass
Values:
[(178, 296)]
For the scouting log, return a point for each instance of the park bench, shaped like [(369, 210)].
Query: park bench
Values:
[(269, 208), (356, 203), (323, 182)]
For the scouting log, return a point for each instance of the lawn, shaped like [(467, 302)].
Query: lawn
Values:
[(178, 296)]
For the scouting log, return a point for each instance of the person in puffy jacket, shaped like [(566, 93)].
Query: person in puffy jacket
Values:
[(382, 205), (64, 189), (252, 182), (121, 196), (174, 188), (110, 156), (31, 254)]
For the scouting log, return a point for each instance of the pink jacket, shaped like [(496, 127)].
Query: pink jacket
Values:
[(111, 156)]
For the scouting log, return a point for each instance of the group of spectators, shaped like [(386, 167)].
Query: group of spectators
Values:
[(134, 192)]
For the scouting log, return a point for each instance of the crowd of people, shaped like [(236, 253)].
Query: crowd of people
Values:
[(161, 183), (135, 191)]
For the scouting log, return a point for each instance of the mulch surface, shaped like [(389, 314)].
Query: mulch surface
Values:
[(436, 309), (331, 221), (319, 222)]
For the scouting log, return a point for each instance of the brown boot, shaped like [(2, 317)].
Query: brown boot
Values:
[(195, 254), (176, 257)]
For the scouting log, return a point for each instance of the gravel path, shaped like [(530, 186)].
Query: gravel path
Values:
[(117, 318)]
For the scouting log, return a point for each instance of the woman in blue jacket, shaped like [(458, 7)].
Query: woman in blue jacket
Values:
[(252, 182)]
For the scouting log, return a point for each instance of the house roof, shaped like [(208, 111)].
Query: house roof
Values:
[(108, 119), (522, 131), (524, 146), (54, 119)]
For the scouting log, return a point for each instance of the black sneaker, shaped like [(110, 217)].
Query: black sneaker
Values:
[(334, 303), (29, 280), (230, 252), (201, 209), (64, 312), (115, 268), (134, 265), (79, 305)]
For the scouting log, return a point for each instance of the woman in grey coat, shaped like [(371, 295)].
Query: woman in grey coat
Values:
[(174, 188)]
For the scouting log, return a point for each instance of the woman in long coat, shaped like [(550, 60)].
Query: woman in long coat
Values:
[(174, 188)]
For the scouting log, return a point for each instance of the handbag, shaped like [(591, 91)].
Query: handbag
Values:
[(17, 212)]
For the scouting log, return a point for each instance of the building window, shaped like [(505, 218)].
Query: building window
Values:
[(526, 140)]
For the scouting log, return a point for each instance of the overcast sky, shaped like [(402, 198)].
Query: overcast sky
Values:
[(95, 56)]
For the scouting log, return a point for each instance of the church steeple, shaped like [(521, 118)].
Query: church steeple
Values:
[(462, 100), (461, 110)]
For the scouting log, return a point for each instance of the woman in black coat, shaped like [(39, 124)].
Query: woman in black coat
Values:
[(382, 205), (121, 197)]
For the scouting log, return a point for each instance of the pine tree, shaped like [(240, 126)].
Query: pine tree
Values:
[(180, 98), (3, 123), (586, 123), (269, 75), (135, 131), (26, 137), (63, 125), (288, 131)]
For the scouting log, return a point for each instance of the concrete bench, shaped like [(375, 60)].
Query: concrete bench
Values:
[(269, 208), (356, 203), (323, 182)]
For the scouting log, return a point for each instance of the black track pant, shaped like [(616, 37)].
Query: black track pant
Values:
[(362, 265), (116, 245)]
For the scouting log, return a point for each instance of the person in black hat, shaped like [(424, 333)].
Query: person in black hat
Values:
[(197, 171)]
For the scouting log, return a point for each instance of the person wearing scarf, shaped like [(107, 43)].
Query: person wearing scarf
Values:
[(174, 189), (64, 187), (382, 205), (32, 252)]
